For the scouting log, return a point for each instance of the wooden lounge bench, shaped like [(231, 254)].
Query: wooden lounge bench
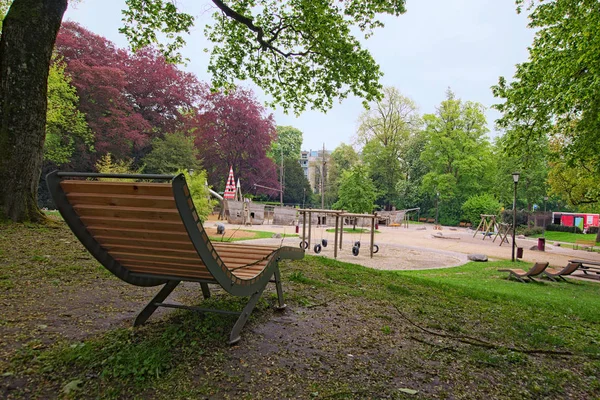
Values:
[(554, 274), (422, 219), (149, 234), (431, 220), (520, 274), (584, 243)]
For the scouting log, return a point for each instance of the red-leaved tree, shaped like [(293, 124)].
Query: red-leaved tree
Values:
[(234, 130), (128, 99)]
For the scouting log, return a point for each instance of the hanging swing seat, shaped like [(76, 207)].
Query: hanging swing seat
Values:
[(149, 234)]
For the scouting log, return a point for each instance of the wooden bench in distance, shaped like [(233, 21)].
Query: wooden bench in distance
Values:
[(584, 243), (149, 234), (422, 219), (431, 220)]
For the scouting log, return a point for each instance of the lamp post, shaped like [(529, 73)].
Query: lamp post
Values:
[(515, 176), (545, 200), (437, 207)]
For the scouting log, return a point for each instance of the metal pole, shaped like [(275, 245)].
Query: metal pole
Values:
[(281, 178), (437, 207), (323, 178), (545, 200), (341, 230), (514, 222)]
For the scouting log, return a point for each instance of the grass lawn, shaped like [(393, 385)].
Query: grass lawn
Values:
[(566, 237), (349, 333)]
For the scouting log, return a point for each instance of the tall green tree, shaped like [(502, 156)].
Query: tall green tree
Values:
[(343, 158), (357, 193), (383, 130), (296, 188), (556, 90), (457, 154), (288, 143), (65, 124), (172, 153), (302, 53)]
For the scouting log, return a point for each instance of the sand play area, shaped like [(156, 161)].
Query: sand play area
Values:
[(420, 247)]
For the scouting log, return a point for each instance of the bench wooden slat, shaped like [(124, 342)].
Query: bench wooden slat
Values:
[(146, 269), (140, 188), (130, 254), (165, 248), (139, 234), (116, 241), (108, 199), (130, 223), (127, 212)]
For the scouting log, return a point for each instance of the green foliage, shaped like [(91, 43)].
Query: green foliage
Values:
[(106, 165), (385, 129), (563, 228), (145, 18), (64, 123), (296, 187), (299, 52), (456, 153), (199, 190), (533, 231), (357, 193), (479, 204), (343, 158), (555, 91), (289, 141), (173, 152)]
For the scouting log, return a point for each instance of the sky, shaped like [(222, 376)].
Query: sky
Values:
[(464, 45)]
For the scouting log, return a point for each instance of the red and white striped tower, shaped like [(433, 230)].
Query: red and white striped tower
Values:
[(230, 187)]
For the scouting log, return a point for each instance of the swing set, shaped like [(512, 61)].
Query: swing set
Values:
[(340, 216)]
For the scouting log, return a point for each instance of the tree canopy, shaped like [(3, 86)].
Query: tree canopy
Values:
[(301, 52), (556, 91)]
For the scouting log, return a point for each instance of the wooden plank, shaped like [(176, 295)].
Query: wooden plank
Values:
[(128, 212), (121, 200), (131, 255), (138, 234), (146, 269), (132, 188), (132, 223), (173, 244), (155, 251), (125, 261)]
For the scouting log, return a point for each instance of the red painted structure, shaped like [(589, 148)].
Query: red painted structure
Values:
[(583, 220)]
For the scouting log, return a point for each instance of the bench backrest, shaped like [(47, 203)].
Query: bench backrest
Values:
[(147, 233), (138, 224)]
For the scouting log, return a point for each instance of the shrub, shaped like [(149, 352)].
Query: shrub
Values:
[(200, 194), (592, 229), (479, 204), (522, 217), (563, 228), (536, 230)]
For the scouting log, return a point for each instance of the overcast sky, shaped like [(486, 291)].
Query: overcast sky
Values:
[(462, 44)]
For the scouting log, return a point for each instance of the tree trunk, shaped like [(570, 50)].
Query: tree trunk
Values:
[(28, 35)]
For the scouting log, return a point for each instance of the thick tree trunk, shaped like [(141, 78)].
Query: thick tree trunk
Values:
[(28, 34)]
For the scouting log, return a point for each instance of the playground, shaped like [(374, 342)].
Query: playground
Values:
[(418, 246)]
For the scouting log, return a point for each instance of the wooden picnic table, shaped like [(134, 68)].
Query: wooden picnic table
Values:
[(586, 265)]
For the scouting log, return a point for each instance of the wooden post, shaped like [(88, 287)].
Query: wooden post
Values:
[(335, 249), (309, 227), (303, 228), (373, 232)]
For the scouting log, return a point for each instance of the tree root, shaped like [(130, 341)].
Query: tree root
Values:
[(473, 341)]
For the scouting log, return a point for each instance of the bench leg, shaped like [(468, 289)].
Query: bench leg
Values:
[(281, 303), (159, 298), (205, 290), (234, 337)]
